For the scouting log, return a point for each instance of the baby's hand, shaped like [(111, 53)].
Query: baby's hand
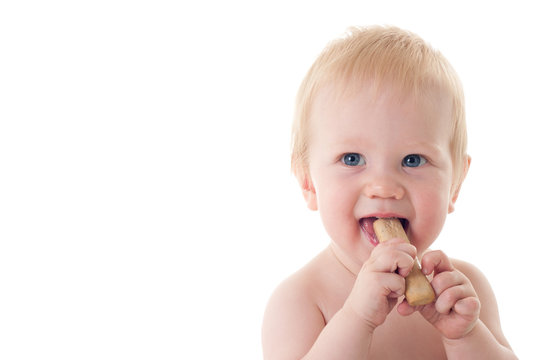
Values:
[(457, 308), (381, 281)]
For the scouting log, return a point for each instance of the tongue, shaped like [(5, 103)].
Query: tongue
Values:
[(367, 225)]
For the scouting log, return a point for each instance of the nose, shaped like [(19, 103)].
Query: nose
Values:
[(384, 187)]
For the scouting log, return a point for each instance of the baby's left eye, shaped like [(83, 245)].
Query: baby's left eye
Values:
[(413, 160)]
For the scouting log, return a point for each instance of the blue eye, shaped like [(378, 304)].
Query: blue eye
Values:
[(353, 159), (413, 160)]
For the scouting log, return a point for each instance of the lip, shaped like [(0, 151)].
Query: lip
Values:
[(404, 220), (384, 215)]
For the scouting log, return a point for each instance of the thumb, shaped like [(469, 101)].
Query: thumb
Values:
[(405, 309)]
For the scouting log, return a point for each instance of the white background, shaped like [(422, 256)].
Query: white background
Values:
[(147, 210)]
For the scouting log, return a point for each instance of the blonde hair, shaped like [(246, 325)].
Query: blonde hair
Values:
[(380, 55)]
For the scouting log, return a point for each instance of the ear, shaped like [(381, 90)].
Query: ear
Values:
[(308, 190), (457, 187)]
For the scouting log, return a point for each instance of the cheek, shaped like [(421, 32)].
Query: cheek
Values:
[(432, 206), (336, 208), (333, 203)]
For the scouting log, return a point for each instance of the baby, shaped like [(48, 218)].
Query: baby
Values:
[(379, 132)]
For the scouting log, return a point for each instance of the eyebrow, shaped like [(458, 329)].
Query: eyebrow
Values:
[(428, 145)]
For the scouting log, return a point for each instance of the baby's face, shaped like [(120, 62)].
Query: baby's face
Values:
[(380, 157)]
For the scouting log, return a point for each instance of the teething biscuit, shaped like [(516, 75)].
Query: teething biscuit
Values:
[(418, 290)]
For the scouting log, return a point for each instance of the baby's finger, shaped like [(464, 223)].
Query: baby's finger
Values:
[(468, 307), (399, 257), (393, 244), (448, 299), (436, 261), (445, 280), (405, 309), (393, 285)]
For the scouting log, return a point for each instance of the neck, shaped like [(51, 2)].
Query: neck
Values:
[(345, 262)]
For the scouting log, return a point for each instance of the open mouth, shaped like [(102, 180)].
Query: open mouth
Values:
[(366, 224)]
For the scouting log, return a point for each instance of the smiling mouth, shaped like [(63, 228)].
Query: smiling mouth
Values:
[(366, 224)]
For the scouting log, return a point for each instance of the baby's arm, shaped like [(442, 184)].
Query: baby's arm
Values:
[(294, 326), (292, 321)]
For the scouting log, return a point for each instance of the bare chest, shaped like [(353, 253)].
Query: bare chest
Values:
[(409, 337), (400, 337)]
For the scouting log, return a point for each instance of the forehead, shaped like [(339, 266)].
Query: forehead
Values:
[(382, 110)]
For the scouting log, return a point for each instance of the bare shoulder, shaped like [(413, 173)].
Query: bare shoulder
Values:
[(293, 319), (480, 283), (489, 313)]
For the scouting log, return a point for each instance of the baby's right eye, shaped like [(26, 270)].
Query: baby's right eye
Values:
[(353, 159)]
